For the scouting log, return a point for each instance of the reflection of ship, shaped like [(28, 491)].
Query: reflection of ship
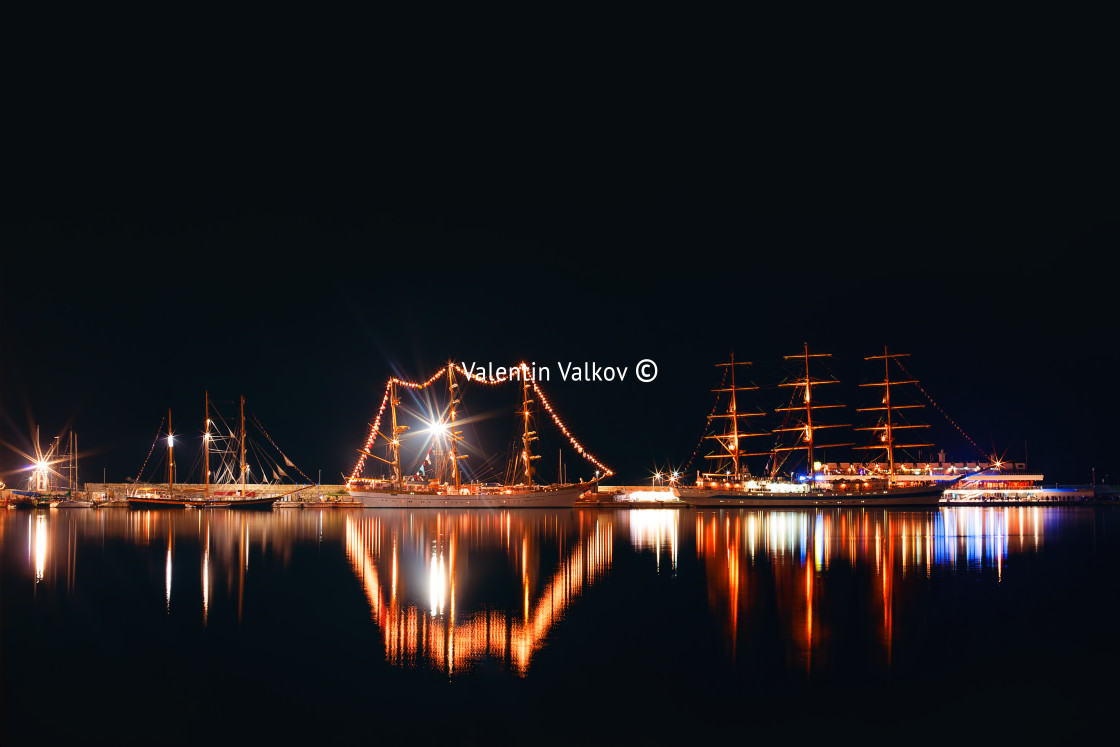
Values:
[(235, 495), (397, 491), (733, 485), (797, 567), (423, 590)]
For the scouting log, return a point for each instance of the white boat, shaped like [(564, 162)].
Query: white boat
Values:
[(398, 492), (72, 503)]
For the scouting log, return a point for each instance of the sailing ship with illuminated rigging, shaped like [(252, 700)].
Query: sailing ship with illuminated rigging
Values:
[(822, 484), (229, 492), (524, 490)]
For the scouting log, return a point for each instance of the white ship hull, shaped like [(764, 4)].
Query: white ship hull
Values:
[(562, 497), (916, 496)]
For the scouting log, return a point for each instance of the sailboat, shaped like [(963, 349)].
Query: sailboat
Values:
[(43, 489), (856, 486), (71, 500), (156, 497), (396, 491)]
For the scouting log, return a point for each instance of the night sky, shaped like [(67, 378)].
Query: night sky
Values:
[(297, 246)]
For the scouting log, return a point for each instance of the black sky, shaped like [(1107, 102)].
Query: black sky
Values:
[(297, 244)]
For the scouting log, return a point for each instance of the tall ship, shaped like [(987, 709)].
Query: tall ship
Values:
[(731, 483), (229, 491), (522, 487)]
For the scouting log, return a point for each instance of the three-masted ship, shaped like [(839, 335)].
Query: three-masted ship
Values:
[(860, 485), (397, 491), (232, 494)]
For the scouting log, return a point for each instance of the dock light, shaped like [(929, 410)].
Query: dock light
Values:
[(170, 440), (816, 466), (437, 428)]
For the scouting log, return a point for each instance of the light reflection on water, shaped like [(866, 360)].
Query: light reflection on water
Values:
[(450, 633), (760, 563), (450, 589)]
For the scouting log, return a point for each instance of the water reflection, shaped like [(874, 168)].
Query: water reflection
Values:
[(452, 589), (766, 564), (216, 546), (441, 584), (655, 529)]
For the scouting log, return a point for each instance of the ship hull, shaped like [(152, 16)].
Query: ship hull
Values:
[(564, 497), (247, 504), (925, 495)]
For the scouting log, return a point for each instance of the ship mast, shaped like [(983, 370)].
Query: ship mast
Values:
[(733, 415), (453, 435), (394, 440), (398, 473), (73, 463), (807, 428), (170, 457), (889, 426), (243, 465), (206, 446), (527, 434)]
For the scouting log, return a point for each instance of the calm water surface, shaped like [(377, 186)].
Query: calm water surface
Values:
[(550, 626)]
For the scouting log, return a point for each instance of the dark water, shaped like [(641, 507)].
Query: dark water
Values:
[(658, 626)]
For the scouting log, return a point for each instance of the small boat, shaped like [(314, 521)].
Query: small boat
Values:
[(72, 503), (28, 499)]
